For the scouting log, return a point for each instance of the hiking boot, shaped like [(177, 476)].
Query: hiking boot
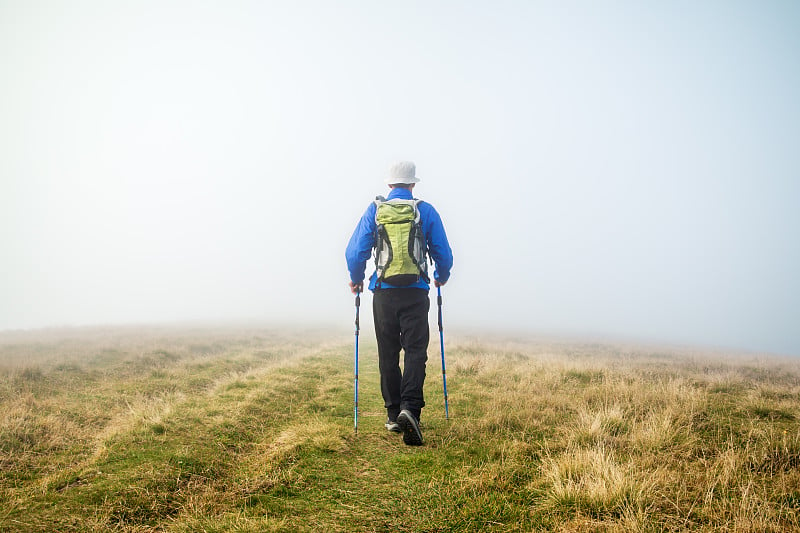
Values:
[(394, 427), (411, 433)]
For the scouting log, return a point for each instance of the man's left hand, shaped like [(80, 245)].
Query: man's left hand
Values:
[(356, 288)]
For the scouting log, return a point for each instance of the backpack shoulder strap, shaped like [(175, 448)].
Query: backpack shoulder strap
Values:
[(378, 201), (417, 201)]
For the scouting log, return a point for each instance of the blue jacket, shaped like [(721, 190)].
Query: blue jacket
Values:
[(359, 249)]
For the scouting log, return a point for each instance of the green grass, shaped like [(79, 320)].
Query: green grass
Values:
[(249, 430)]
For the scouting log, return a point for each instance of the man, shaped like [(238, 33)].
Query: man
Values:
[(400, 288)]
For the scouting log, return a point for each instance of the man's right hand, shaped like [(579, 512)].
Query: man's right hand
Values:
[(356, 288)]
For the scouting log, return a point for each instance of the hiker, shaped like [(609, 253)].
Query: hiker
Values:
[(404, 232)]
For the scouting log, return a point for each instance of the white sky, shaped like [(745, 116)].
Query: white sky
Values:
[(609, 168)]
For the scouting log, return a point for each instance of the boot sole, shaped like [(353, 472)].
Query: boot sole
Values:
[(411, 433)]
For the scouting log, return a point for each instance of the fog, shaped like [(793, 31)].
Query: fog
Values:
[(625, 169)]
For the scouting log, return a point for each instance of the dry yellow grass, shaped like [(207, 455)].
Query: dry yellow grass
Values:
[(248, 430)]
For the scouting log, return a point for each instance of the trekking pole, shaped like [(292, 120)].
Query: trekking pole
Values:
[(355, 372), (441, 344)]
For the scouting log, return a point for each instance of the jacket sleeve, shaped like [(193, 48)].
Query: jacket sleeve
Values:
[(438, 246), (360, 246)]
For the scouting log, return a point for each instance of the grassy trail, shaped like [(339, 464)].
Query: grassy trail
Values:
[(248, 430)]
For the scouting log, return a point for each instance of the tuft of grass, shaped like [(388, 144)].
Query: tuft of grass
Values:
[(595, 426), (30, 374), (593, 482)]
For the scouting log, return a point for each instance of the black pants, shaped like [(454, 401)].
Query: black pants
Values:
[(401, 321)]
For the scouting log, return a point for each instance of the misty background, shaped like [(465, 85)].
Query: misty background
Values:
[(625, 169)]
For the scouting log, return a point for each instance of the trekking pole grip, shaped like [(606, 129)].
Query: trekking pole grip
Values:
[(358, 304), (439, 302)]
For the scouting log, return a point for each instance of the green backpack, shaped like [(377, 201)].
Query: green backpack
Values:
[(400, 248)]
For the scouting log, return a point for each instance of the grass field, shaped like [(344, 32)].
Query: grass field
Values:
[(252, 430)]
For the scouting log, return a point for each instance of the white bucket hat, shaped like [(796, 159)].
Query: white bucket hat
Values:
[(402, 172)]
